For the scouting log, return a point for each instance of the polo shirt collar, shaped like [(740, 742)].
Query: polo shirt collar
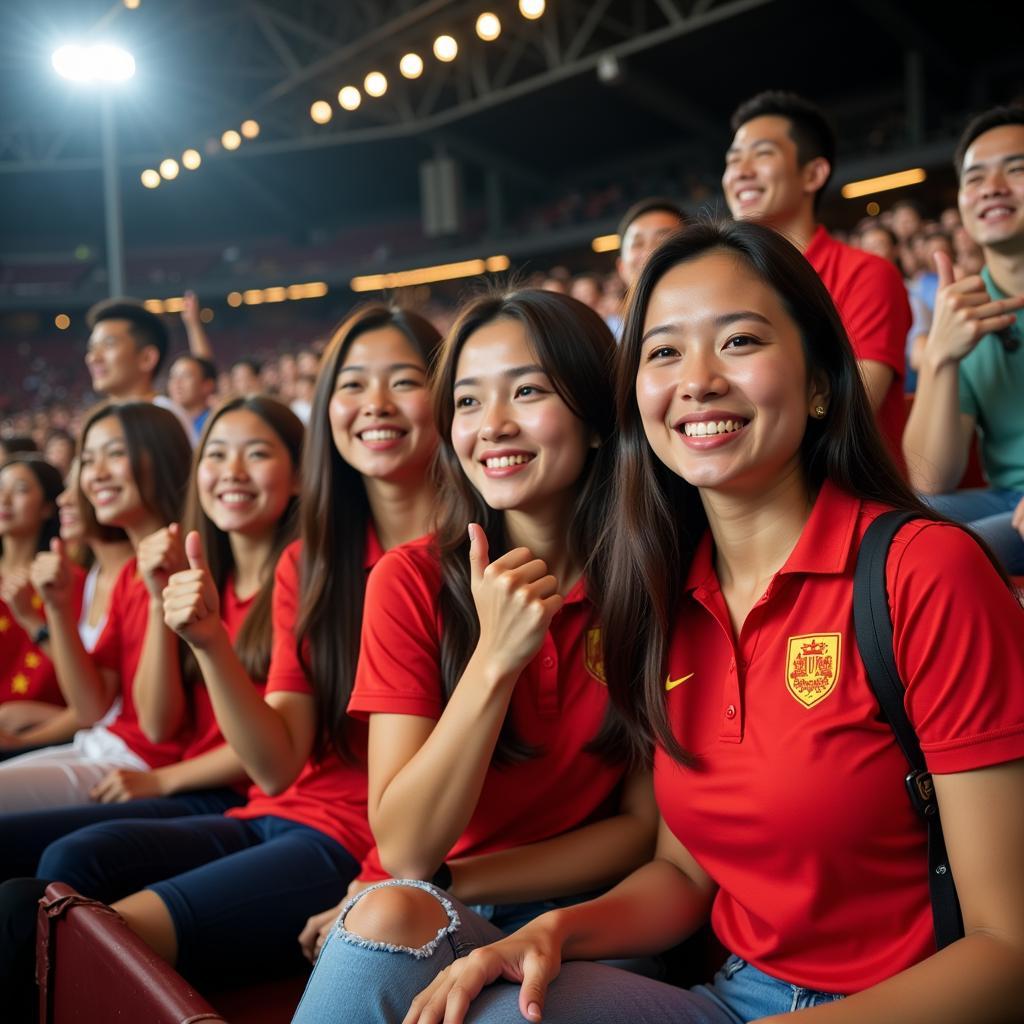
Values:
[(824, 546)]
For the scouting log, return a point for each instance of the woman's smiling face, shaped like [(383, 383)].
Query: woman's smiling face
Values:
[(722, 385)]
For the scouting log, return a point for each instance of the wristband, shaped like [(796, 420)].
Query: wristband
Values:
[(42, 634), (442, 877)]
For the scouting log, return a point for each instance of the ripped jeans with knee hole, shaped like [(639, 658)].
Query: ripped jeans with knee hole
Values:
[(356, 979)]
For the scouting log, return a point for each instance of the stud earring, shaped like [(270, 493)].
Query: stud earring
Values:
[(819, 411)]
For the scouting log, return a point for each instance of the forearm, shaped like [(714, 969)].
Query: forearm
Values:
[(584, 860), (217, 767), (932, 441), (157, 689), (80, 680), (198, 341), (256, 733), (429, 802), (978, 979), (57, 728), (652, 910)]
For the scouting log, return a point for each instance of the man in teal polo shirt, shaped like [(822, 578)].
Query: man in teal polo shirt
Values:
[(972, 372)]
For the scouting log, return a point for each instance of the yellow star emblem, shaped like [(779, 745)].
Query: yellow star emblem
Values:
[(32, 660), (19, 684), (5, 623), (37, 602)]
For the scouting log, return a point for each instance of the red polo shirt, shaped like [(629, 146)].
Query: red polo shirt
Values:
[(328, 795), (26, 672), (872, 302), (119, 648), (205, 733), (796, 805), (558, 705)]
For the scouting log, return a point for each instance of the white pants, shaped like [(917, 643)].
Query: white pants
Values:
[(63, 776)]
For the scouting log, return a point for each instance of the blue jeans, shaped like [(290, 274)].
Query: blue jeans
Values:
[(238, 891), (988, 513), (374, 983), (25, 835)]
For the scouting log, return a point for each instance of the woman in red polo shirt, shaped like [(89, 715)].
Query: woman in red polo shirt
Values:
[(495, 769), (243, 503), (133, 471), (29, 487), (749, 469), (230, 893)]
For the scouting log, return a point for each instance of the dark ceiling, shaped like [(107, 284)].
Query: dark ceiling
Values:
[(552, 126)]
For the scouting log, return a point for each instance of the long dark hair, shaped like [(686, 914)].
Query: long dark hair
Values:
[(576, 349), (657, 518), (49, 480), (254, 640), (159, 454), (335, 518)]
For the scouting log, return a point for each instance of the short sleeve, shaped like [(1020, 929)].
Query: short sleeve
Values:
[(286, 671), (399, 656), (957, 630), (876, 314)]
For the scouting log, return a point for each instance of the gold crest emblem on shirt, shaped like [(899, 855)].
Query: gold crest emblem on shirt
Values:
[(812, 666), (593, 655)]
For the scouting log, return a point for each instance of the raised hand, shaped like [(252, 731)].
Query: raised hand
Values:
[(159, 556), (52, 577), (964, 313), (191, 602), (190, 310), (516, 598)]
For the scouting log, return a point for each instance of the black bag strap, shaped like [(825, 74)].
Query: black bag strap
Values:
[(872, 622)]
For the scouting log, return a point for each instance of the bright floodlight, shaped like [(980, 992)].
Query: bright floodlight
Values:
[(102, 62), (411, 65), (531, 9), (375, 84), (169, 169), (191, 159), (231, 139), (250, 128), (488, 27), (350, 97), (150, 178), (321, 111), (445, 48)]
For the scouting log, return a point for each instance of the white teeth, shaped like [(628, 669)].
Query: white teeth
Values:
[(748, 193), (235, 498), (106, 494), (380, 435), (505, 461), (708, 428)]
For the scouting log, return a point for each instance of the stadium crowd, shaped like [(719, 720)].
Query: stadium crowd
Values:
[(463, 653)]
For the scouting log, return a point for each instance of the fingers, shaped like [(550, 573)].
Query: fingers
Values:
[(478, 551), (536, 978), (944, 268), (57, 547), (194, 551)]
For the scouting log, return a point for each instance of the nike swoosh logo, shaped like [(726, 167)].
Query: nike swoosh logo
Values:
[(671, 684)]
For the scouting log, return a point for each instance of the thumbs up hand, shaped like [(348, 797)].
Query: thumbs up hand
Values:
[(964, 314), (51, 576), (191, 601), (158, 556), (516, 598)]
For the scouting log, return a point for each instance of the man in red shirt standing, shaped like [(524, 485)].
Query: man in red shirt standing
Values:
[(776, 170)]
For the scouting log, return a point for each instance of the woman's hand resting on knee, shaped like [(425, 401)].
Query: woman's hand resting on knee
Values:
[(531, 956)]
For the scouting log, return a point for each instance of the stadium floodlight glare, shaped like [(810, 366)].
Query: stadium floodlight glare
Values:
[(321, 111), (169, 169), (191, 159), (231, 139), (350, 97), (375, 84), (531, 9), (411, 65), (250, 128), (488, 27), (150, 178), (101, 62), (445, 48)]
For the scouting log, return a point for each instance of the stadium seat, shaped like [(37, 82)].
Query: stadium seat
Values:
[(92, 968)]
